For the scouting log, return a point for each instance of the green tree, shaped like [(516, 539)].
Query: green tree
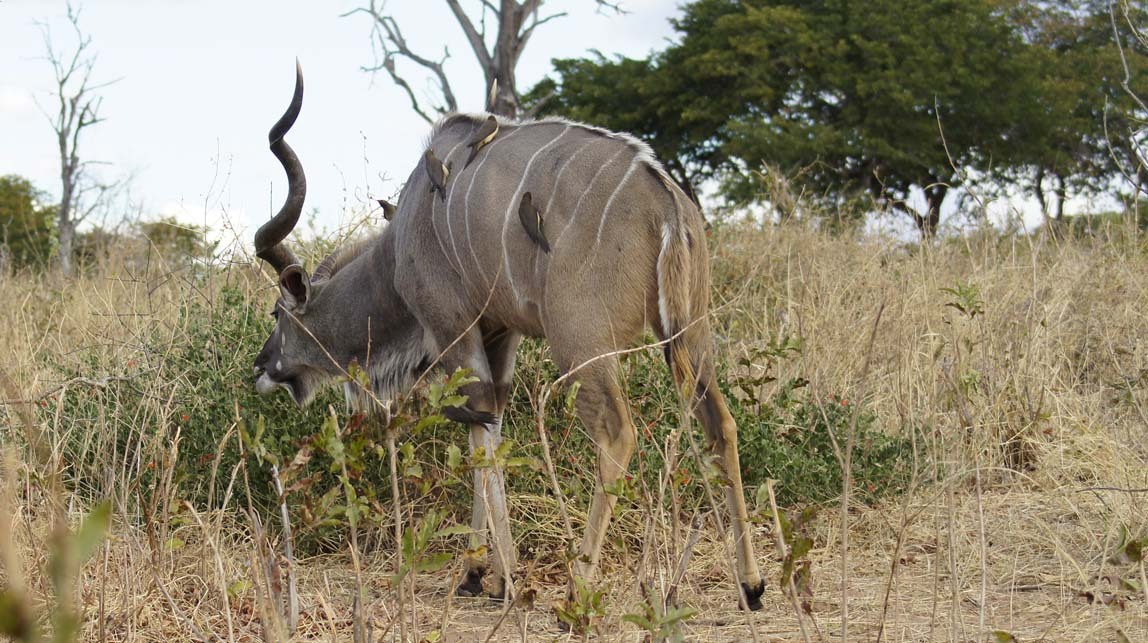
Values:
[(867, 100), (1078, 135), (175, 241), (26, 232)]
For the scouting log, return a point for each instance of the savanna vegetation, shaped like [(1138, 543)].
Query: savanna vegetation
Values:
[(968, 414), (940, 440)]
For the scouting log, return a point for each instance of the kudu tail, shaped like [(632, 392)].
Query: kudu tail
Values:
[(682, 304)]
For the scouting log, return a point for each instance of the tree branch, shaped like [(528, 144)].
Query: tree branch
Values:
[(524, 37), (477, 44), (498, 56), (604, 6), (388, 39)]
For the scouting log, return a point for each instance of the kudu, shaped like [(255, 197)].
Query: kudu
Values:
[(456, 282)]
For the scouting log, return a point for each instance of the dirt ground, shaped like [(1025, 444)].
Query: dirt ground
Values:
[(1044, 580)]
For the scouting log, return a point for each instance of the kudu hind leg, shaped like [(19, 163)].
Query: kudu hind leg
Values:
[(605, 413), (721, 433), (696, 361), (489, 515)]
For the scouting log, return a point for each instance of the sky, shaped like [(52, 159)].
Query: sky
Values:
[(196, 84)]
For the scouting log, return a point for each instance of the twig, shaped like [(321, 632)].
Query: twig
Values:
[(501, 618), (687, 553), (1144, 490), (102, 382), (292, 606), (179, 615), (847, 476), (218, 566), (397, 504), (549, 461), (783, 551)]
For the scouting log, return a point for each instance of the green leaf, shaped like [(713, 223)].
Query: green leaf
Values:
[(238, 588), (640, 621), (678, 614), (453, 458), (92, 532), (454, 530), (571, 395), (15, 621), (433, 563)]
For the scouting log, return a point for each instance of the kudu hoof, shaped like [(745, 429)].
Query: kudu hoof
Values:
[(501, 594), (472, 586), (752, 596)]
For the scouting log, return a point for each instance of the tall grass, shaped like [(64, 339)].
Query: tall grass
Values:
[(970, 415)]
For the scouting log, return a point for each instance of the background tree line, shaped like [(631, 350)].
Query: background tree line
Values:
[(29, 237), (852, 107), (859, 103)]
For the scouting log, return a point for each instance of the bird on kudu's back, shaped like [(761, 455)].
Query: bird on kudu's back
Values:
[(482, 138), (531, 218), (438, 173)]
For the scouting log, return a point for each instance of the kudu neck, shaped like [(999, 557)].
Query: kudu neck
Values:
[(363, 293)]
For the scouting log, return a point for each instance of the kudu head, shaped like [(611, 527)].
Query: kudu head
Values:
[(301, 354)]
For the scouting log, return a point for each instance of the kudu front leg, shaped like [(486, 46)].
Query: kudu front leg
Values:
[(490, 520), (489, 516)]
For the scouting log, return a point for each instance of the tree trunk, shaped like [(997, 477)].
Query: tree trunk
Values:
[(677, 171), (1038, 190), (1061, 197), (504, 100), (927, 223), (65, 225), (501, 83), (67, 236)]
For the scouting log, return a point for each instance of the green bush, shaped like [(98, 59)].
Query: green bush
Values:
[(199, 385), (787, 435), (194, 379), (790, 438)]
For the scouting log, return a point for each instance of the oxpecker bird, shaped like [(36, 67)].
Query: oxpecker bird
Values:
[(531, 218), (389, 209), (482, 138), (437, 172)]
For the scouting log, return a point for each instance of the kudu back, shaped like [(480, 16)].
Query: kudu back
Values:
[(455, 281)]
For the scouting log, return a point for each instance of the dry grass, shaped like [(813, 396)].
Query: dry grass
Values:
[(1028, 421)]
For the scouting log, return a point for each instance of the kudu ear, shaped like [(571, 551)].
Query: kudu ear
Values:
[(294, 286)]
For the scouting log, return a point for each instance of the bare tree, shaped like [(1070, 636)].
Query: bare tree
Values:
[(503, 29), (1137, 140), (77, 109)]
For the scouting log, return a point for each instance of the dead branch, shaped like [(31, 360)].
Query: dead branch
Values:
[(388, 42), (497, 55), (78, 108)]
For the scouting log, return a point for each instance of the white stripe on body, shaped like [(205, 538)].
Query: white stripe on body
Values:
[(513, 205), (554, 193), (466, 201), (601, 224), (561, 171), (434, 201), (589, 187)]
